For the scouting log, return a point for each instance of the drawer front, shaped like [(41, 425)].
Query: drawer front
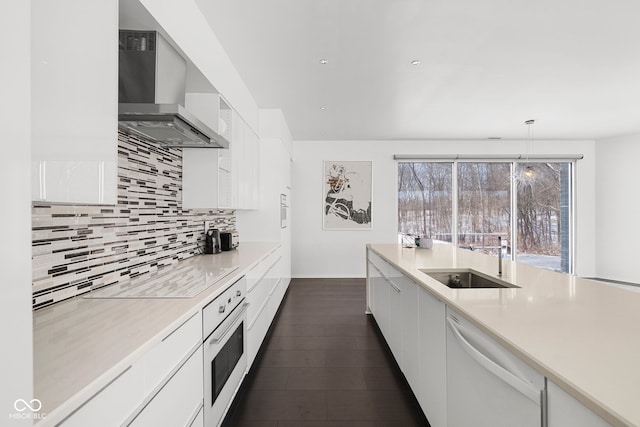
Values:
[(164, 356), (256, 273), (198, 420), (274, 300), (261, 269), (257, 298), (379, 263), (179, 400), (256, 334), (113, 404), (218, 309)]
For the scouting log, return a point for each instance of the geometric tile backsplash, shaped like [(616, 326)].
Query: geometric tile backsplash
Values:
[(82, 247)]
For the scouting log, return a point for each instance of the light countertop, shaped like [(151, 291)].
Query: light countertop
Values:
[(81, 344), (581, 334)]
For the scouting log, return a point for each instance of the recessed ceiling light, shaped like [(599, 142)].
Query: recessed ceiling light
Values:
[(415, 62), (323, 108), (323, 61)]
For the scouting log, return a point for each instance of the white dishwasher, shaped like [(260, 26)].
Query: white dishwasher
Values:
[(486, 384)]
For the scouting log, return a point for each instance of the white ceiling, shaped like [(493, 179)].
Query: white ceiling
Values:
[(486, 66)]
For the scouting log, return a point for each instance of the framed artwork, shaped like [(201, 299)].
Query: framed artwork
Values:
[(347, 195)]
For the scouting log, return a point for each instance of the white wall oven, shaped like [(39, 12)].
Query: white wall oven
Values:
[(225, 356)]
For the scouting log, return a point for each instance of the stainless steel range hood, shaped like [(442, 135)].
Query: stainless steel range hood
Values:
[(151, 94)]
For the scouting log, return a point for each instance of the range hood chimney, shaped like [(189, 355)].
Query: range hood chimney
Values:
[(151, 94)]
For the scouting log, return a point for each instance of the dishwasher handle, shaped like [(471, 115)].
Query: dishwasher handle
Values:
[(533, 393)]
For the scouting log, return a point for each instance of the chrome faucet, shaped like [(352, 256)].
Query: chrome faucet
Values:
[(499, 256)]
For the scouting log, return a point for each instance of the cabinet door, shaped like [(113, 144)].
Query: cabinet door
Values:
[(74, 98), (225, 180), (375, 267), (160, 361), (237, 157), (410, 331), (372, 275), (253, 157), (379, 298), (404, 317), (564, 410), (113, 404), (198, 420), (432, 388), (199, 178), (246, 160), (262, 295), (180, 398), (258, 326), (393, 334)]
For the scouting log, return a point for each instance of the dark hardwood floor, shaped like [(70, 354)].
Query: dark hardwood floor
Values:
[(324, 363)]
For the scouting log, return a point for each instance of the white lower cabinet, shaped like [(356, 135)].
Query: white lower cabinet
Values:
[(179, 401), (461, 376), (387, 287), (385, 310), (112, 405), (265, 290), (412, 322), (408, 323), (378, 297), (565, 410), (162, 359), (198, 421), (432, 383), (164, 384), (394, 319), (274, 298)]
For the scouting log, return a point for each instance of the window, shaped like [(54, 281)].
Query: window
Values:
[(424, 199), (544, 213), (472, 203), (484, 205)]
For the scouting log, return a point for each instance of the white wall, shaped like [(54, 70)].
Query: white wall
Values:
[(618, 208), (319, 253), (16, 364)]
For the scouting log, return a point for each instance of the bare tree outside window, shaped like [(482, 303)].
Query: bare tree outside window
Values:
[(543, 191), (484, 205), (484, 200), (424, 199)]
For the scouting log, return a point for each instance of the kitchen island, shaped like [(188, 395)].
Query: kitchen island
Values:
[(579, 333), (83, 345)]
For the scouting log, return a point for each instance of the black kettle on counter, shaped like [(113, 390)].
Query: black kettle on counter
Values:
[(212, 241)]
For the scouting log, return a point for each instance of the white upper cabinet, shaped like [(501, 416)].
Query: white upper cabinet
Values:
[(246, 164), (207, 173), (74, 96), (223, 178)]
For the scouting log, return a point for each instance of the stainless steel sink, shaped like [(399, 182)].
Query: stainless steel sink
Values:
[(466, 278)]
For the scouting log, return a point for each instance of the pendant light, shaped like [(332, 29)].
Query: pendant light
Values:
[(529, 172)]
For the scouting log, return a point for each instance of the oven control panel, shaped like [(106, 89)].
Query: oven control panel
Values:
[(217, 310)]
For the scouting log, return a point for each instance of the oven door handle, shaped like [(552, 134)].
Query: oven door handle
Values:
[(219, 336)]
